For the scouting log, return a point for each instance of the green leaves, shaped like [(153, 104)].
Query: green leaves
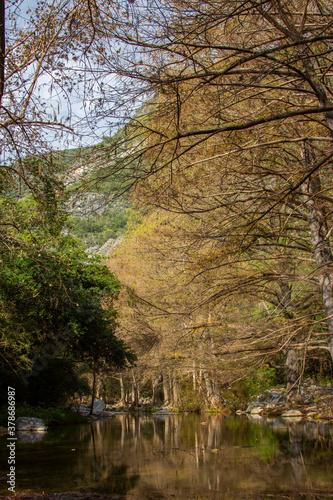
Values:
[(50, 290)]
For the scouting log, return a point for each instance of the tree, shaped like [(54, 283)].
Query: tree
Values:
[(54, 299), (240, 90), (97, 345)]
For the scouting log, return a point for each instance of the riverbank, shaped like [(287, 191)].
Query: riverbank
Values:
[(314, 401)]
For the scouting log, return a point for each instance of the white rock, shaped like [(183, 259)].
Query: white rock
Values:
[(256, 411), (292, 414)]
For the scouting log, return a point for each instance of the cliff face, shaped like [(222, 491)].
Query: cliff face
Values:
[(87, 204), (110, 245), (98, 211), (98, 220)]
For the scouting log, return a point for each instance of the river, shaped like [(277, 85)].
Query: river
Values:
[(178, 456)]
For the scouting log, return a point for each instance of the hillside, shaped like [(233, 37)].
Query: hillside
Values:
[(98, 211)]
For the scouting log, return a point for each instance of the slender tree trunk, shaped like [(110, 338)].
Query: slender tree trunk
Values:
[(320, 240), (175, 391), (100, 390), (122, 390), (166, 390), (194, 377), (209, 389), (292, 375), (135, 392)]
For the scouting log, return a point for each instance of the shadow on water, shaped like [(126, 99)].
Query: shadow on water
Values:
[(179, 456)]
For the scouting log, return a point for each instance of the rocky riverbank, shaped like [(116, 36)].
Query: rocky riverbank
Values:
[(313, 402)]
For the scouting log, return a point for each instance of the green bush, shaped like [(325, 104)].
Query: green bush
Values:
[(50, 415), (253, 385), (189, 399)]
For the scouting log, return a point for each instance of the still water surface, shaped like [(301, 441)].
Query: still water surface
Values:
[(178, 456)]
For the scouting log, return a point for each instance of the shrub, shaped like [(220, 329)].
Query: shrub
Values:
[(56, 383)]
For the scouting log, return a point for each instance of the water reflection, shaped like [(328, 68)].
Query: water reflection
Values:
[(177, 456)]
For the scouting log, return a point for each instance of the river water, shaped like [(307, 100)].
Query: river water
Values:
[(178, 456)]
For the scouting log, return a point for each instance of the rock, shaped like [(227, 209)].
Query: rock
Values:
[(99, 406), (251, 405), (110, 245), (292, 414), (254, 417), (83, 410), (30, 424), (271, 396), (256, 411), (311, 414)]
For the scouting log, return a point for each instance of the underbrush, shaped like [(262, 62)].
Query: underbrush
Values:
[(244, 390)]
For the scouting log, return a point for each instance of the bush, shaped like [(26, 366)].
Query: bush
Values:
[(189, 399), (56, 383), (50, 415), (8, 378), (253, 385)]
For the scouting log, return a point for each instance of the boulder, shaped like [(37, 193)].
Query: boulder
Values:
[(83, 410), (292, 414), (98, 407), (30, 424), (256, 411)]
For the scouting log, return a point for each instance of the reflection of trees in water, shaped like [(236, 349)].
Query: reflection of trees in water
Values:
[(196, 454), (307, 442), (296, 451), (101, 473)]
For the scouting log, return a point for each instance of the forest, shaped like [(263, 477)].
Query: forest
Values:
[(205, 131)]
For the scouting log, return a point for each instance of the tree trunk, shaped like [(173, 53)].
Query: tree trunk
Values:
[(209, 389), (212, 388), (319, 239), (100, 388), (292, 375), (122, 390), (157, 389), (194, 377), (135, 392), (175, 391), (166, 390)]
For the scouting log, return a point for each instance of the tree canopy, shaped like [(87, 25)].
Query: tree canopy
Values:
[(227, 115)]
